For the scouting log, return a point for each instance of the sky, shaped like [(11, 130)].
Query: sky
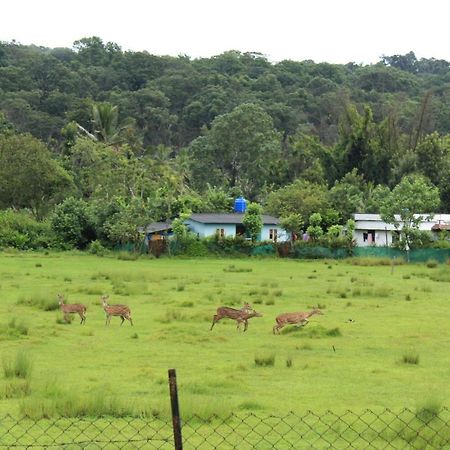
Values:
[(335, 31)]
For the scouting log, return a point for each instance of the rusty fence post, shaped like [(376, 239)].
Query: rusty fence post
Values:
[(176, 419)]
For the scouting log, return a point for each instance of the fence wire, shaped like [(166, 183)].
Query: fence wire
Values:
[(369, 429)]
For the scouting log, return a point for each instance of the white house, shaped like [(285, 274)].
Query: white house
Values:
[(370, 229), (230, 225)]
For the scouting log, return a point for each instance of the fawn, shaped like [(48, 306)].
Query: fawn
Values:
[(239, 315), (116, 310), (72, 309), (295, 318)]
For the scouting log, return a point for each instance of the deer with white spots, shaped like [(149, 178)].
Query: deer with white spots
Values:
[(123, 311), (73, 308), (241, 316), (295, 318)]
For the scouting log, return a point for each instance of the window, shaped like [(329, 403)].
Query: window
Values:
[(273, 234), (220, 233), (369, 236)]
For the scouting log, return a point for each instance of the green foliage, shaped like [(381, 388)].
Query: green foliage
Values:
[(315, 230), (29, 176), (408, 205), (72, 224), (18, 367), (252, 220), (96, 248), (19, 229)]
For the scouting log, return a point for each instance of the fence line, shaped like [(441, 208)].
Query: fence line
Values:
[(369, 429)]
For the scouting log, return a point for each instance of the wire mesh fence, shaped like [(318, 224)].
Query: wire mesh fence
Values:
[(369, 429)]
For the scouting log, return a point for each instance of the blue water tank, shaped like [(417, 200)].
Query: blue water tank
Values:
[(240, 205)]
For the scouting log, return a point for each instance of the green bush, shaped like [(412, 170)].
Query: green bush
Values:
[(96, 248), (20, 230)]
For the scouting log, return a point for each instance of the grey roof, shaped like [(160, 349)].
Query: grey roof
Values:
[(232, 218), (158, 226)]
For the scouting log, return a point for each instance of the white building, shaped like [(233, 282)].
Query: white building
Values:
[(370, 229)]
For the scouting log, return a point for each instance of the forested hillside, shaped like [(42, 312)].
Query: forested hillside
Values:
[(118, 138)]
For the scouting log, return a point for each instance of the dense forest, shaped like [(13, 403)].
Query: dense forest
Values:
[(96, 141)]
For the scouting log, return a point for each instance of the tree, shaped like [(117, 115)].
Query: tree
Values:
[(29, 176), (242, 146), (348, 195), (315, 230), (411, 201), (252, 220), (72, 223), (292, 223), (300, 197)]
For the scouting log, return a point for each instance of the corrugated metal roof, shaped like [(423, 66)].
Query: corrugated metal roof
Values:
[(158, 226), (232, 218)]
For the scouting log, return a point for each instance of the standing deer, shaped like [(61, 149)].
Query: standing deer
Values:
[(116, 310), (295, 318), (72, 309), (239, 315)]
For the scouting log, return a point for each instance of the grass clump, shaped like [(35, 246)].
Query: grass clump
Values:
[(233, 268), (19, 367), (428, 411), (187, 304), (432, 263), (15, 388), (46, 302), (376, 261), (410, 358), (265, 360), (172, 316), (128, 256), (442, 275), (15, 328)]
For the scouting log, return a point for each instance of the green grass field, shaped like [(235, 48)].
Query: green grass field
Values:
[(382, 342)]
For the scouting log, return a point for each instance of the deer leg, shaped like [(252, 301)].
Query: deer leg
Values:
[(107, 321), (215, 319), (66, 318), (131, 320), (123, 319), (245, 325)]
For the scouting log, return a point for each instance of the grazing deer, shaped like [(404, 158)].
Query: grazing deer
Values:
[(72, 309), (239, 315), (116, 310), (296, 318)]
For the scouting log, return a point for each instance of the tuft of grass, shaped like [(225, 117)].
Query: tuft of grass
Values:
[(428, 411), (289, 362), (128, 256), (15, 388), (406, 277), (15, 328), (265, 360), (180, 287), (356, 261), (134, 336), (442, 275), (408, 297), (432, 263), (410, 358), (233, 268), (44, 301), (19, 367), (382, 291), (269, 302), (187, 304), (38, 265), (278, 293), (172, 316)]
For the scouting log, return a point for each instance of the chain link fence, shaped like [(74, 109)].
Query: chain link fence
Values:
[(370, 429)]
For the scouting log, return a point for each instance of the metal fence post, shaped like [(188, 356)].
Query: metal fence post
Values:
[(176, 420)]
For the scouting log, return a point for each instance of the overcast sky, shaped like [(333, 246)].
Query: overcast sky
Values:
[(337, 31)]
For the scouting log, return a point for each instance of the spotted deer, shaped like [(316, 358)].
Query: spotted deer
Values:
[(241, 316), (116, 310), (74, 308), (295, 318)]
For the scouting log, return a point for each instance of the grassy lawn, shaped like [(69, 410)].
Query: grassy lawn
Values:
[(382, 342)]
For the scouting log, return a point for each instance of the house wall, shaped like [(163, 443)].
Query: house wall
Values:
[(382, 238), (209, 229)]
